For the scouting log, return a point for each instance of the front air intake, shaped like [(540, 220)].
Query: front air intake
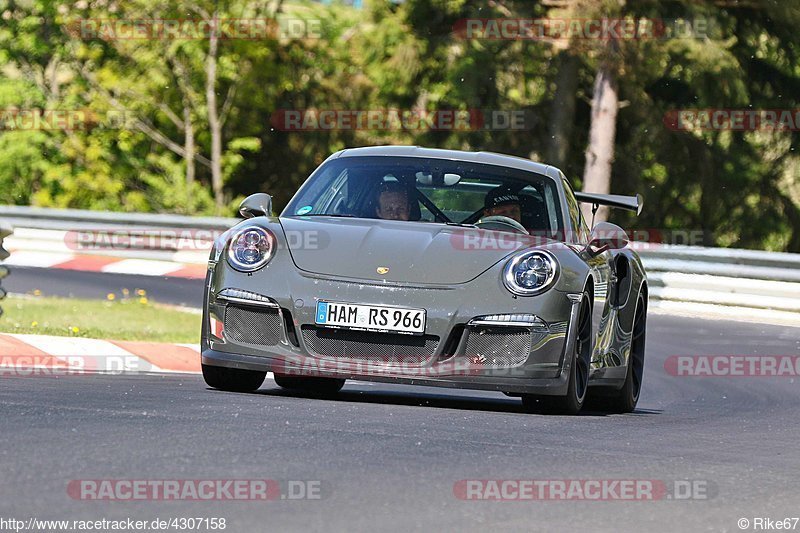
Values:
[(498, 347), (253, 325), (386, 348)]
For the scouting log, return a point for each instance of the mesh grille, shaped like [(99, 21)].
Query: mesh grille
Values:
[(250, 326), (375, 347), (498, 347)]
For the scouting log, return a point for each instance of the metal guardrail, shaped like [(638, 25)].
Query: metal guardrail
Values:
[(689, 274), (162, 237), (740, 278), (64, 219)]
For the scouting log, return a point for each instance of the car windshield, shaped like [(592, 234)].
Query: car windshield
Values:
[(429, 190)]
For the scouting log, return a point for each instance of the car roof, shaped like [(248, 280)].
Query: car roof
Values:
[(488, 158)]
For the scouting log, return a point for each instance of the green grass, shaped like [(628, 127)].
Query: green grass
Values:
[(121, 318)]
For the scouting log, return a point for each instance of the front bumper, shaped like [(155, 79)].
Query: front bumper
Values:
[(458, 350)]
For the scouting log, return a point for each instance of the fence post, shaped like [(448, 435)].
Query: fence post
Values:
[(5, 230)]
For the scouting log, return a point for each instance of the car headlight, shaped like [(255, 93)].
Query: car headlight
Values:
[(530, 273), (251, 248)]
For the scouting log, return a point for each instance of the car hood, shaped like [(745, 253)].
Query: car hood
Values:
[(413, 252)]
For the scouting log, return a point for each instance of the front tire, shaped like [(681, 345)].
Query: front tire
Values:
[(232, 379), (313, 385), (578, 383)]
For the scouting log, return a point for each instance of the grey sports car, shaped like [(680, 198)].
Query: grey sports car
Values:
[(430, 267)]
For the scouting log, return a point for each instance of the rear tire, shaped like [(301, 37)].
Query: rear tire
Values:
[(625, 399), (313, 385), (232, 379), (573, 401)]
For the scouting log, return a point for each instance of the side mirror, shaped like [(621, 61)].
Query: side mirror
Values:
[(606, 236), (256, 205)]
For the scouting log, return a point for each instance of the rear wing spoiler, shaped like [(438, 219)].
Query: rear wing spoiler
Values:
[(633, 203)]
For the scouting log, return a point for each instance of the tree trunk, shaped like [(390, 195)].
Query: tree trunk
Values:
[(214, 124), (600, 152), (793, 215), (189, 147), (562, 115)]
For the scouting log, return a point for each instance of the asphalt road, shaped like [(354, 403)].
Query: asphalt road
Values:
[(387, 457), (94, 285)]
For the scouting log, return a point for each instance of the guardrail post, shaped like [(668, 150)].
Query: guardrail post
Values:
[(5, 230)]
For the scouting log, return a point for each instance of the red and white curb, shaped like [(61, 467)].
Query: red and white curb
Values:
[(107, 264), (25, 355), (55, 249)]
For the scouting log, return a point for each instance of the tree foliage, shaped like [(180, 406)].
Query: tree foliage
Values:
[(740, 188)]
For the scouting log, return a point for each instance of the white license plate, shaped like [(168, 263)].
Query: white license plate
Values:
[(371, 317)]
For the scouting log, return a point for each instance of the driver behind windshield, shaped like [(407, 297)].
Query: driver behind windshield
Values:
[(393, 202), (502, 201)]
